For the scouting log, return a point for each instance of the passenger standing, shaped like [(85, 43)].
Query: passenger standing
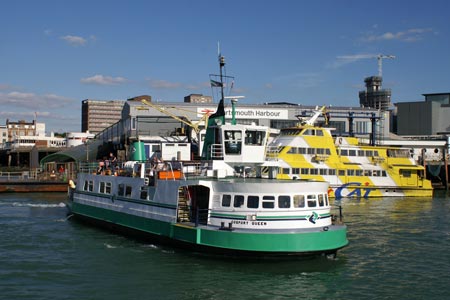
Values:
[(112, 162)]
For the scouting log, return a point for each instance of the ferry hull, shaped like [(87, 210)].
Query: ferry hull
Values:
[(213, 240)]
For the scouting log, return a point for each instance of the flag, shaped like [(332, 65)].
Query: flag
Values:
[(215, 83)]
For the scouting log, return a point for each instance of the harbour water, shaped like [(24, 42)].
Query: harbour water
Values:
[(399, 249)]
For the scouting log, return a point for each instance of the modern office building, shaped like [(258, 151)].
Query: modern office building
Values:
[(96, 115)]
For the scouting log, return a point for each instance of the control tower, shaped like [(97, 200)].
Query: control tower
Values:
[(374, 96)]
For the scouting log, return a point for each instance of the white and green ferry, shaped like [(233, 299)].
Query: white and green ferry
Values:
[(229, 202)]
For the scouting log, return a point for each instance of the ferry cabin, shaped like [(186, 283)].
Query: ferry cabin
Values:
[(232, 203)]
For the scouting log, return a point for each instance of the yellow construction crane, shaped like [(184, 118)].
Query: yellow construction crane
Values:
[(185, 120)]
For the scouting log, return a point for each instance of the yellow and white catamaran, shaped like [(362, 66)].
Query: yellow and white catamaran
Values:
[(309, 151)]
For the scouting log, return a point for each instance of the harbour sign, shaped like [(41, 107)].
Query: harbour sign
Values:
[(246, 113)]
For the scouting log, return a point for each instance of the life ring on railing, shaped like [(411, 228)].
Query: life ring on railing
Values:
[(339, 140)]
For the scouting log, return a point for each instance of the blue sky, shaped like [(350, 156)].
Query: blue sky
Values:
[(54, 54)]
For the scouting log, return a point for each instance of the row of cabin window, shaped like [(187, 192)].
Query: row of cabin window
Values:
[(333, 172), (311, 151), (326, 151), (311, 132), (270, 202), (105, 188)]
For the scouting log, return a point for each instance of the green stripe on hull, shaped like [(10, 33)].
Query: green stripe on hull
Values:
[(293, 242)]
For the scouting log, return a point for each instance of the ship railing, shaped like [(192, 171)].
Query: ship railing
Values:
[(339, 218), (216, 151), (18, 176)]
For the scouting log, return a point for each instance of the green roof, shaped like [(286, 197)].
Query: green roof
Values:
[(75, 154)]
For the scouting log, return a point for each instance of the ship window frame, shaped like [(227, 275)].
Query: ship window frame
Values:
[(238, 201), (311, 200), (321, 200), (344, 152), (352, 152), (268, 202), (299, 201), (88, 186), (143, 194), (304, 171), (253, 201), (105, 187), (341, 172), (284, 201), (226, 199)]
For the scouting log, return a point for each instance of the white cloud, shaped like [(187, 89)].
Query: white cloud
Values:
[(348, 59), (32, 101), (74, 40), (103, 80), (164, 84), (410, 35)]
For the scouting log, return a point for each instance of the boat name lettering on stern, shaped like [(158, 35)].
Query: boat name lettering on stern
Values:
[(255, 223)]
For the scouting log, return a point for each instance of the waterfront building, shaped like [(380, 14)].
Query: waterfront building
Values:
[(3, 136), (96, 115), (424, 118)]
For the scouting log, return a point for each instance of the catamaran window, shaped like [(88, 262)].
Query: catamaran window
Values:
[(358, 172), (292, 150), (405, 173), (105, 187), (320, 151), (284, 202), (323, 171), (302, 150), (253, 137), (375, 153), (226, 200), (351, 172), (309, 132), (299, 201), (295, 171), (367, 172), (88, 185), (311, 200), (369, 153), (351, 152), (319, 132), (285, 170), (305, 171), (360, 152), (341, 172), (144, 193), (327, 151), (252, 201), (383, 173), (331, 172), (268, 202), (344, 152), (376, 173), (314, 171), (321, 200), (238, 201)]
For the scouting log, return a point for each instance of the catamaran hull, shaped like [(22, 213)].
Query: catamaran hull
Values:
[(213, 240)]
